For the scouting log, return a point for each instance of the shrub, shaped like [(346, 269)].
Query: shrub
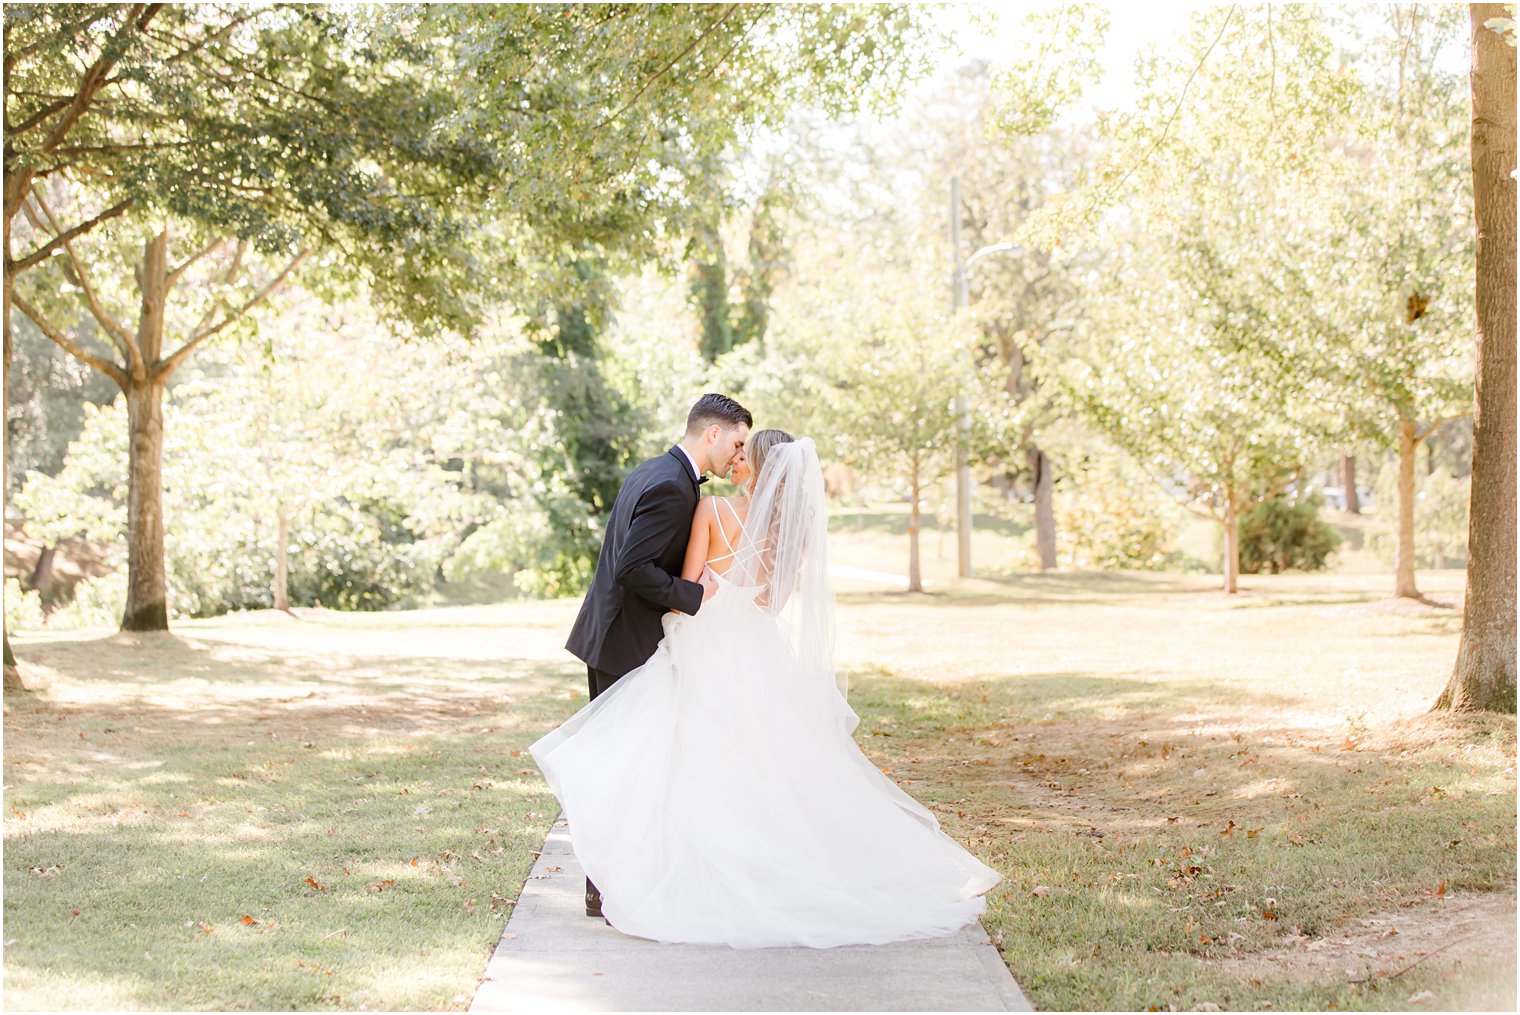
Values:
[(1285, 533), (95, 602), (1106, 522), (23, 609)]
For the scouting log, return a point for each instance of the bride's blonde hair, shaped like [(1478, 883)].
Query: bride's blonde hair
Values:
[(759, 445)]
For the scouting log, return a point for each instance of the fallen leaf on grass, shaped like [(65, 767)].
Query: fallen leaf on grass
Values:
[(312, 882), (75, 912), (1423, 997), (1269, 914), (247, 921), (1252, 833), (1441, 889), (1228, 829), (380, 886), (205, 927), (1039, 891)]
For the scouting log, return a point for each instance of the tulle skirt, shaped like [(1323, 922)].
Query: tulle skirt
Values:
[(714, 795)]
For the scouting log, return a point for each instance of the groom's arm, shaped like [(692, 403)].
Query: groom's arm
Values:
[(656, 520)]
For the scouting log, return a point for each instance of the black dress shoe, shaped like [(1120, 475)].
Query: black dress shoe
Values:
[(593, 901)]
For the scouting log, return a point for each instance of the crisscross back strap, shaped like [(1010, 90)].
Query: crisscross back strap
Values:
[(743, 533)]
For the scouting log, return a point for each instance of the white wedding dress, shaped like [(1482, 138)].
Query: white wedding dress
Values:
[(715, 795)]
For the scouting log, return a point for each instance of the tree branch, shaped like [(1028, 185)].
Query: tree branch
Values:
[(118, 334), (104, 149), (1435, 425), (175, 273), (37, 117), (1167, 127), (43, 253), (106, 367), (666, 69), (171, 364), (228, 277), (95, 77)]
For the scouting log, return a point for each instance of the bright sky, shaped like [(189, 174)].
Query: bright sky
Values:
[(1132, 27)]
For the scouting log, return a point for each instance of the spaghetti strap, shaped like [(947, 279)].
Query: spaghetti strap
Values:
[(726, 542), (735, 512)]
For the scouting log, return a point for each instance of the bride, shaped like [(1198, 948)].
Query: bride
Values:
[(715, 794)]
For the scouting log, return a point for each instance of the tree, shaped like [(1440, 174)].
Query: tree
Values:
[(1175, 364), (894, 386), (1484, 674), (219, 116), (560, 126), (1397, 313)]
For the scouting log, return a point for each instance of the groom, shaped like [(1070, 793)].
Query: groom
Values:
[(637, 576)]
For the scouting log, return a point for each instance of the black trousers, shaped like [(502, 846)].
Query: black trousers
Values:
[(597, 681)]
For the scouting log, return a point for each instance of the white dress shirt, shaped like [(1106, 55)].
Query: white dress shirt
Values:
[(696, 472)]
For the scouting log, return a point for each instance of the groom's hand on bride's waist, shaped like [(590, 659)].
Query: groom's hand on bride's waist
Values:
[(709, 588)]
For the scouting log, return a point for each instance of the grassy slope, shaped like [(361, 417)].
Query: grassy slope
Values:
[(1091, 735)]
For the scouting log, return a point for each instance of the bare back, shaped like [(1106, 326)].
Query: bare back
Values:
[(716, 530)]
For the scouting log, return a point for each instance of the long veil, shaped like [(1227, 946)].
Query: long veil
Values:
[(787, 526)]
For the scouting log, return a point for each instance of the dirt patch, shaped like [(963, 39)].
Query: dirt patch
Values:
[(1476, 931)]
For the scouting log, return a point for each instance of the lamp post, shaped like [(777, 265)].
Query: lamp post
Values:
[(961, 299)]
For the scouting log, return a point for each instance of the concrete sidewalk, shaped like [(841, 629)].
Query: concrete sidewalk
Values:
[(552, 957)]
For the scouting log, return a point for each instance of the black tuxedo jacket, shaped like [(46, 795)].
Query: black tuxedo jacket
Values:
[(637, 575)]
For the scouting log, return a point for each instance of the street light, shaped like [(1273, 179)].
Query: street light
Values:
[(962, 400)]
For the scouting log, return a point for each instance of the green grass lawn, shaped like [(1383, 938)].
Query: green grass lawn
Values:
[(1193, 798), (260, 812)]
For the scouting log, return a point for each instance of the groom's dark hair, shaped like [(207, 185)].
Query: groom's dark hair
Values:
[(715, 408)]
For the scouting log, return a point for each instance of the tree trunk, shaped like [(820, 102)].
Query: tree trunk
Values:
[(1044, 510), (915, 577), (1348, 480), (42, 573), (1484, 674), (147, 588), (1403, 562), (1231, 524), (281, 564), (14, 184)]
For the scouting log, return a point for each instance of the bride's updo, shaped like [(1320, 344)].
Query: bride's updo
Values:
[(759, 445)]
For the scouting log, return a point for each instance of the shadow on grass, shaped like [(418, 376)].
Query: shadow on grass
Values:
[(1044, 697), (353, 867), (1162, 820), (372, 820), (1033, 589), (843, 521)]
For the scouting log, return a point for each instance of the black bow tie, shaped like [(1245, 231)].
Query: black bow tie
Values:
[(701, 480)]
